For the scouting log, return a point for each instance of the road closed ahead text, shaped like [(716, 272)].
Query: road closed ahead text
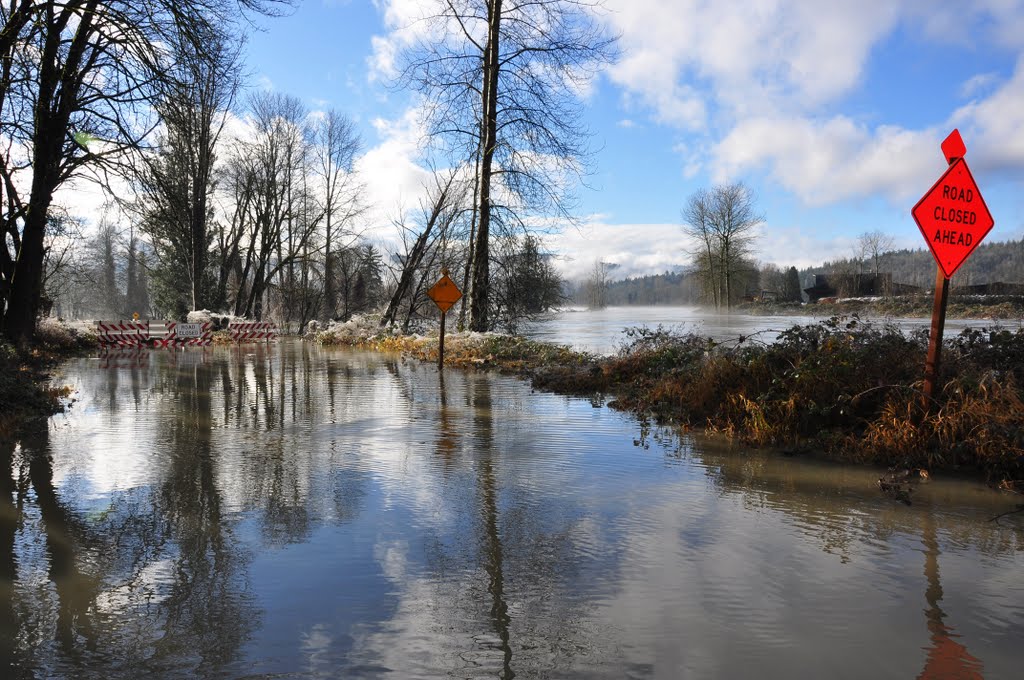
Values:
[(953, 217), (957, 215)]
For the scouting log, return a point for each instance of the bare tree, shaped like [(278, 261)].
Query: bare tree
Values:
[(336, 145), (502, 79), (698, 225), (76, 80), (734, 220), (772, 279), (872, 246), (438, 212), (176, 184), (722, 222), (596, 284), (275, 213), (61, 260)]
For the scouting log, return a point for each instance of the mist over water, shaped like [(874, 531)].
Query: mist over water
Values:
[(293, 511)]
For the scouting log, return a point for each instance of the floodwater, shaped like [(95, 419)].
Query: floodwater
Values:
[(291, 511), (600, 331)]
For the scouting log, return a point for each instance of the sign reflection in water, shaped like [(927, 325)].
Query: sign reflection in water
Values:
[(287, 509)]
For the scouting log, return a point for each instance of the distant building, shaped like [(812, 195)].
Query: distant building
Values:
[(994, 288), (861, 285)]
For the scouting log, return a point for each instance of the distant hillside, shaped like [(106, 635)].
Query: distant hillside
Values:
[(991, 262), (669, 288), (997, 261)]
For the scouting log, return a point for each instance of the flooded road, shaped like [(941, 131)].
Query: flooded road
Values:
[(600, 331), (292, 511)]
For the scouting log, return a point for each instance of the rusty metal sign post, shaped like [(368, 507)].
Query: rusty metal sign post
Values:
[(444, 293), (953, 219)]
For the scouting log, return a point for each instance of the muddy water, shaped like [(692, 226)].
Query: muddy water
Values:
[(297, 512)]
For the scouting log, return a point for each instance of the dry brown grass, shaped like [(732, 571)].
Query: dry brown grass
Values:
[(974, 423)]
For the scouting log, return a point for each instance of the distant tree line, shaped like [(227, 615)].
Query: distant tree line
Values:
[(992, 261), (996, 261)]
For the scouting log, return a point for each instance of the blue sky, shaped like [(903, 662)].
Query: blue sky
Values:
[(832, 112)]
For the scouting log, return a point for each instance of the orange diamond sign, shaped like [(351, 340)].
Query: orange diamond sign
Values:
[(953, 217), (445, 293)]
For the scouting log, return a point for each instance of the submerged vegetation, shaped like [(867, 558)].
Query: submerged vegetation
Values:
[(845, 387), (25, 392)]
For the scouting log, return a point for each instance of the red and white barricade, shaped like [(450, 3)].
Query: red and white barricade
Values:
[(162, 333), (252, 331), (123, 357), (169, 334), (122, 333)]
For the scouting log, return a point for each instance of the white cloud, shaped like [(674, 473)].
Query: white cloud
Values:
[(824, 161), (977, 84), (804, 246), (636, 248), (406, 23), (382, 59), (771, 74), (994, 127), (390, 171), (747, 57), (830, 160)]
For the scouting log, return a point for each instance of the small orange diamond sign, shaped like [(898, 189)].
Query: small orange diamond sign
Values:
[(445, 293)]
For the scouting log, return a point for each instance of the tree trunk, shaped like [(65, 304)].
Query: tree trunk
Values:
[(471, 255), (412, 263), (57, 94), (330, 297), (481, 261), (23, 303)]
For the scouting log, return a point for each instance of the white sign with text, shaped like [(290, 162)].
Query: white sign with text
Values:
[(190, 330)]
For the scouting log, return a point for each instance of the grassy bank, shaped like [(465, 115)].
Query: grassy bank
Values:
[(844, 387), (25, 393)]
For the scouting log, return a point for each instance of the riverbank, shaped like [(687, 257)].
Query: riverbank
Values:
[(25, 392), (843, 387), (986, 307)]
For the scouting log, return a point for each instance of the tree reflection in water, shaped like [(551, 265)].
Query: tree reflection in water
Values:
[(150, 584), (9, 520), (490, 535)]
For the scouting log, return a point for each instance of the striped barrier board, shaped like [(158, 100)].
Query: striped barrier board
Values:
[(126, 333), (123, 357), (252, 331), (161, 333)]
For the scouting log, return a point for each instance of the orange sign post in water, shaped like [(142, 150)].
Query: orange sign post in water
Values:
[(444, 293), (954, 219)]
